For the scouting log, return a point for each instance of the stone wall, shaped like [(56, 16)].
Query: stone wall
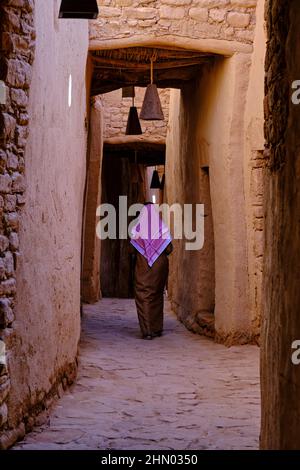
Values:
[(17, 53), (232, 20), (116, 112), (280, 379), (45, 258)]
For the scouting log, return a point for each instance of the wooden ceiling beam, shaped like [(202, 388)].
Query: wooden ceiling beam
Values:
[(135, 76), (100, 89), (113, 63), (142, 54), (115, 69)]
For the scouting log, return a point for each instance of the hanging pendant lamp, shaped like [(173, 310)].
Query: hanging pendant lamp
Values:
[(155, 182), (133, 123), (81, 9), (152, 109), (163, 180)]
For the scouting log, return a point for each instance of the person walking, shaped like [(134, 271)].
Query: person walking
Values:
[(152, 241)]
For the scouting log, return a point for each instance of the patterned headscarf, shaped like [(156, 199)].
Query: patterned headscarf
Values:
[(150, 235)]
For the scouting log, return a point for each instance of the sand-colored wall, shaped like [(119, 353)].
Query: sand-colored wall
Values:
[(47, 326), (254, 169), (219, 100), (191, 280), (91, 246)]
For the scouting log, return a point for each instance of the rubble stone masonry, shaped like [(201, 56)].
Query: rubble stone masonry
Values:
[(232, 20), (17, 54)]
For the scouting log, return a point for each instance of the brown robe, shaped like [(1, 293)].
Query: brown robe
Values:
[(149, 292)]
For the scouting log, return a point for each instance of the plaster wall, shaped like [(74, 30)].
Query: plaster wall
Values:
[(215, 109), (254, 170), (43, 348)]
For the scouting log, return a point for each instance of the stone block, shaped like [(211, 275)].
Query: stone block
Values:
[(199, 14), (3, 161), (7, 126), (19, 97), (14, 241), (141, 13), (259, 240), (211, 30), (21, 135), (18, 183), (123, 3), (17, 3), (257, 183), (211, 3), (172, 13), (12, 220), (8, 287), (245, 35), (176, 3), (3, 414), (2, 277), (109, 12), (147, 23), (238, 20), (6, 313), (4, 243), (12, 161), (258, 212), (9, 263), (5, 183), (258, 224), (217, 15), (21, 199), (18, 73), (23, 119), (243, 3), (11, 18), (10, 202)]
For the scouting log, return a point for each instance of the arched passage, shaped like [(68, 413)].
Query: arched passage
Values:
[(206, 131)]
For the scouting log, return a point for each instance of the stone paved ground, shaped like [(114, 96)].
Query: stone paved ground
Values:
[(180, 391)]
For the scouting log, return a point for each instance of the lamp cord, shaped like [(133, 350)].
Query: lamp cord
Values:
[(151, 71)]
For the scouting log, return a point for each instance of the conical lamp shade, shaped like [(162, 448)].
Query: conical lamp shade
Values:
[(162, 184), (133, 123), (155, 182), (151, 109), (81, 9)]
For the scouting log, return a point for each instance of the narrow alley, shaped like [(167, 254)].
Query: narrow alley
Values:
[(180, 391)]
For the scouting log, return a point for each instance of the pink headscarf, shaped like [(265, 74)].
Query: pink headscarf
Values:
[(150, 235)]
